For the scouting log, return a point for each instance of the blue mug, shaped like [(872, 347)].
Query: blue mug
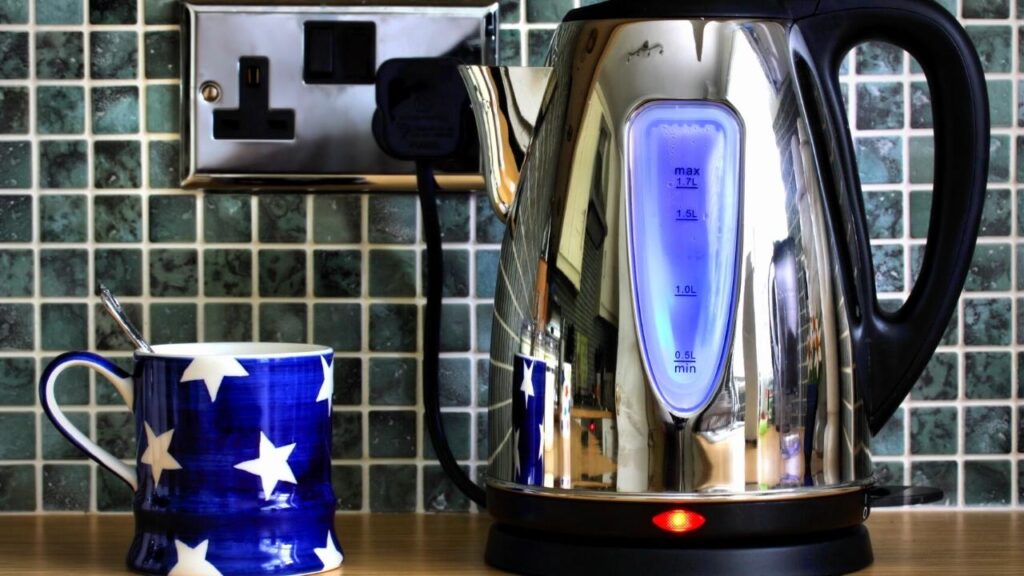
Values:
[(233, 471)]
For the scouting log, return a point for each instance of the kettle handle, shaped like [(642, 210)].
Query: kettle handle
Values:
[(892, 348)]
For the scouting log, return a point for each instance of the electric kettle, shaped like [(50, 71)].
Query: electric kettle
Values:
[(688, 357)]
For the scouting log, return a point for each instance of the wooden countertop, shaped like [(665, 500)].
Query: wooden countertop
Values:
[(905, 543)]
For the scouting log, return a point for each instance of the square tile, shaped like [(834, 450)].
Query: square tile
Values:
[(922, 159), (60, 110), (164, 164), (999, 158), (988, 9), (920, 213), (454, 375), (987, 483), (17, 274), (888, 262), (393, 327), (889, 440), (115, 110), (62, 218), (392, 488), (163, 108), (172, 218), (995, 218), (112, 494), (13, 110), (538, 42), (337, 273), (880, 159), (987, 430), (66, 487), (482, 440), (547, 11), (489, 229), (348, 381), (392, 273), (13, 11), (227, 322), (162, 12), (120, 270), (282, 218), (884, 211), (227, 272), (282, 322), (987, 321), (510, 11), (993, 44), (109, 335), (337, 219), (105, 394), (117, 164), (393, 381), (162, 54), (63, 164), (453, 211), (13, 55), (990, 268), (937, 474), (15, 218), (17, 381), (16, 171), (117, 218), (392, 434), (112, 12), (879, 105), (933, 430), (455, 273), (17, 327), (483, 382), (879, 58), (56, 446), (457, 427), (392, 219), (65, 326), (920, 105), (173, 272), (172, 323), (115, 433), (282, 273), (439, 492), (63, 273), (19, 482), (114, 55), (988, 375), (59, 55), (347, 482), (510, 49), (347, 435), (455, 328), (338, 326), (484, 315), (18, 429), (1000, 103), (227, 217), (49, 12)]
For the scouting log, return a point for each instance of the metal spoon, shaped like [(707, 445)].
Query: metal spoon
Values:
[(119, 315)]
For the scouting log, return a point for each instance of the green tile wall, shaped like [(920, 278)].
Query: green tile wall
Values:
[(89, 149)]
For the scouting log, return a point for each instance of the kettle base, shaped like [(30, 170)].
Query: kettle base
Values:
[(542, 554)]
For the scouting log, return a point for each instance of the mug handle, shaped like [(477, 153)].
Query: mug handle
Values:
[(121, 380)]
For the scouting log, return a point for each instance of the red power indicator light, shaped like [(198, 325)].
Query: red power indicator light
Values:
[(678, 521)]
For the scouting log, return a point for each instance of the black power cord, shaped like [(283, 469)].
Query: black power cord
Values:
[(432, 336)]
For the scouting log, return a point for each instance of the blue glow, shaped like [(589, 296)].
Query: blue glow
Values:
[(684, 202)]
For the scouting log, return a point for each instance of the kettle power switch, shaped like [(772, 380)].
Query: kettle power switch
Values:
[(339, 52)]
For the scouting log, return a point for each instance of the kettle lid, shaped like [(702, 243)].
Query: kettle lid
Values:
[(782, 9)]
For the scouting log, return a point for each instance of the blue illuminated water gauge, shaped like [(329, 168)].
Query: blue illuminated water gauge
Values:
[(684, 219)]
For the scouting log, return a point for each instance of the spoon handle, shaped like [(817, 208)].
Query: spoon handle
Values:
[(119, 315)]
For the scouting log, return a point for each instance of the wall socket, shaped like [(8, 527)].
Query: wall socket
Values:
[(283, 95)]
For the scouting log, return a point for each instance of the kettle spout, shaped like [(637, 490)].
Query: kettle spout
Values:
[(506, 104)]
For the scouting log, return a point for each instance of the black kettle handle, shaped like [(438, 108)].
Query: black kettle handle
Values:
[(891, 349)]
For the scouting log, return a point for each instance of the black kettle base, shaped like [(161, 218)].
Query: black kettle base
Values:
[(537, 554)]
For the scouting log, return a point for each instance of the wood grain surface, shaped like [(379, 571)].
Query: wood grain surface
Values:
[(976, 543)]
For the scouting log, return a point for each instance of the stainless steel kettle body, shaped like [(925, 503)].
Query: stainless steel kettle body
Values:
[(685, 307)]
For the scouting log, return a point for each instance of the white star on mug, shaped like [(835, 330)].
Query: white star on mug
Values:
[(192, 561), (272, 465), (156, 454), (329, 555), (527, 386), (212, 370), (327, 388)]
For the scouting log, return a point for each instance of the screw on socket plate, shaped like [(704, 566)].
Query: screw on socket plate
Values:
[(210, 91)]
